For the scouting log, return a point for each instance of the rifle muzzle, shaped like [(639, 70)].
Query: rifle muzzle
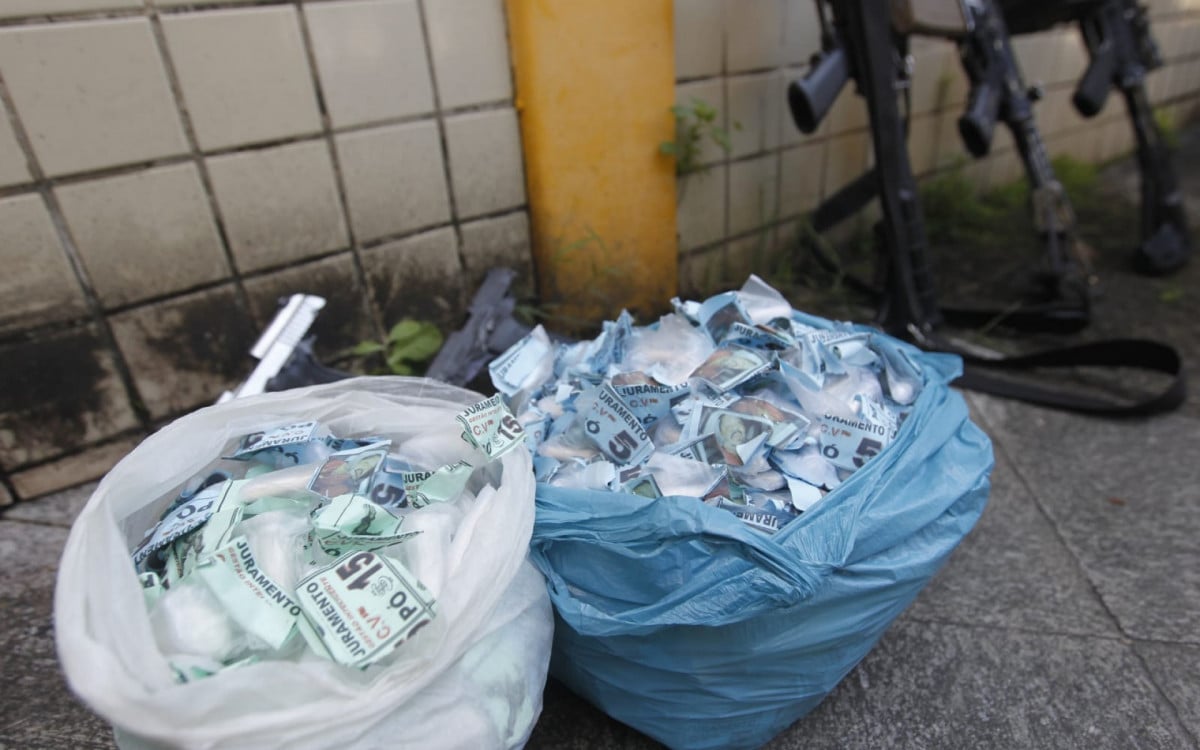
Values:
[(810, 97)]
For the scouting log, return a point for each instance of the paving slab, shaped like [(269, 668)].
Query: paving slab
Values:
[(1013, 571), (58, 509), (568, 722), (37, 711), (1176, 670), (1123, 495), (947, 686)]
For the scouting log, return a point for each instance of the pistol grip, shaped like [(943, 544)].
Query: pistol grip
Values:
[(1093, 88)]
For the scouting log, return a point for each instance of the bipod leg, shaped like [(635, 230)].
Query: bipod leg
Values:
[(1122, 50), (1063, 282), (909, 307), (1060, 282), (1166, 242)]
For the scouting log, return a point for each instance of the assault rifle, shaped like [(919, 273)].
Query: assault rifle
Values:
[(867, 41), (861, 43), (998, 92), (1122, 51)]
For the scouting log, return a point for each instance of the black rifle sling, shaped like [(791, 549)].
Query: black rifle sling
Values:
[(980, 374)]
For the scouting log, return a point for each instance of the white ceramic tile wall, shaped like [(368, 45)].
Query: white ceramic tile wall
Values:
[(395, 179), (17, 8), (1006, 168), (91, 94), (701, 274), (37, 279), (429, 261), (470, 51), (1037, 55), (485, 161), (372, 60), (932, 78), (701, 211), (800, 179), (801, 31), (849, 112), (753, 193), (751, 254), (14, 168), (846, 159), (195, 152), (789, 133), (245, 135), (501, 241), (1188, 75), (164, 388), (244, 75), (754, 33), (699, 31), (754, 104), (144, 234), (280, 205), (922, 143), (1072, 58)]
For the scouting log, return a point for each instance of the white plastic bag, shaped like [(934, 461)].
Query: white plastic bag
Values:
[(473, 678)]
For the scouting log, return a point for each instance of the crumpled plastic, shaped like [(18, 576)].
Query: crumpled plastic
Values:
[(680, 619), (472, 678)]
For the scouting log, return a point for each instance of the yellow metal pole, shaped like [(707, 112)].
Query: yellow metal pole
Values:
[(595, 82)]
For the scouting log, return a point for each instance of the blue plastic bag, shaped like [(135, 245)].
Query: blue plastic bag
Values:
[(677, 619)]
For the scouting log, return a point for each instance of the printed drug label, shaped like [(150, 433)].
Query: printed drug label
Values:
[(363, 605)]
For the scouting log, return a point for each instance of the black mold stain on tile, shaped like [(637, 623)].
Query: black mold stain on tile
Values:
[(59, 393), (184, 352), (342, 323)]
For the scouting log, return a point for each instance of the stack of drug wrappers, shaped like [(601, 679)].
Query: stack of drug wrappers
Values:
[(734, 400), (289, 546)]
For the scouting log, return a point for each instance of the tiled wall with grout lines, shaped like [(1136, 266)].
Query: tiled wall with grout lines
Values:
[(170, 168)]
